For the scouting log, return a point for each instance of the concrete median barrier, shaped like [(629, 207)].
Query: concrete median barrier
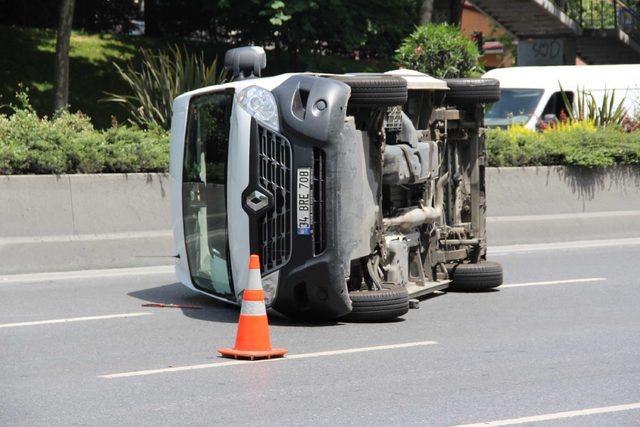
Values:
[(558, 203), (74, 222)]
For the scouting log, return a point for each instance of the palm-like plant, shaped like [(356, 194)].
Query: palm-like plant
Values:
[(156, 78), (584, 107)]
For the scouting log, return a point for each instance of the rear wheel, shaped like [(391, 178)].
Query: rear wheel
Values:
[(482, 276), (472, 91), (379, 305)]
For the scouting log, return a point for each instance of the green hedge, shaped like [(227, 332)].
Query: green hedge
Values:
[(578, 144), (68, 143)]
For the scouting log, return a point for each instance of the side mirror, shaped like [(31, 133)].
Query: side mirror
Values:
[(245, 62)]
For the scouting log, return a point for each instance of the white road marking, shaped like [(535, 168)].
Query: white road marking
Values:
[(554, 217), (85, 237), (288, 357), (556, 416), (581, 244), (554, 282), (169, 269), (87, 274), (74, 319)]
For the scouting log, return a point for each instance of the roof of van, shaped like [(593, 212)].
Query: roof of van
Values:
[(588, 76)]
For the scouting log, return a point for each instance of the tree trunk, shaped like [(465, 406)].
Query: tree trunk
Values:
[(446, 11), (63, 42), (150, 18), (426, 12)]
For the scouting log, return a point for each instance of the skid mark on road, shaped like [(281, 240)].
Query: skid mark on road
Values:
[(555, 282), (74, 319), (289, 357), (556, 416)]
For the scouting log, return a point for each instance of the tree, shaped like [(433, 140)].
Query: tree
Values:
[(441, 11), (440, 50), (368, 28), (63, 43)]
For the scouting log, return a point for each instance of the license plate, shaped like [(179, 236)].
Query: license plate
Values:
[(304, 217)]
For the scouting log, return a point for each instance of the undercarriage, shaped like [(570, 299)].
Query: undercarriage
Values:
[(427, 161)]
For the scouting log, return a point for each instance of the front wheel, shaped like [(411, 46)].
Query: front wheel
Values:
[(481, 276), (375, 90)]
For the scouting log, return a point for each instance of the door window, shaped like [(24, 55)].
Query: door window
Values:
[(204, 192)]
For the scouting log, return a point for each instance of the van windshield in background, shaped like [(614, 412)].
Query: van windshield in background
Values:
[(516, 106)]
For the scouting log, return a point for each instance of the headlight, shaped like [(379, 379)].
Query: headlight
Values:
[(261, 104)]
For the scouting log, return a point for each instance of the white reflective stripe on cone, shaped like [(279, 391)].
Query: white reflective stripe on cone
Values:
[(253, 308), (255, 280)]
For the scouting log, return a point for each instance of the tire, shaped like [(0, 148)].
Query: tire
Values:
[(375, 90), (482, 276), (472, 91), (385, 304)]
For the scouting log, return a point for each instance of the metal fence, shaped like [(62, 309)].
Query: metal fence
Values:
[(604, 15)]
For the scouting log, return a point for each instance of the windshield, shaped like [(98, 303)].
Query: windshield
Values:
[(204, 192), (516, 106)]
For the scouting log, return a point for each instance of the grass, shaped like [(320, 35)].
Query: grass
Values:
[(27, 60)]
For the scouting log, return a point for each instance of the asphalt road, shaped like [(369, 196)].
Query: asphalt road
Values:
[(557, 348)]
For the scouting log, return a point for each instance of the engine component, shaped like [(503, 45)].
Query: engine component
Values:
[(398, 266), (408, 133), (393, 119), (404, 164)]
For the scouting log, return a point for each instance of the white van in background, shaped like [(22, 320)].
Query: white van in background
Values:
[(532, 94)]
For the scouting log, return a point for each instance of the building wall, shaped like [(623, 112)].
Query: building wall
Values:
[(474, 20)]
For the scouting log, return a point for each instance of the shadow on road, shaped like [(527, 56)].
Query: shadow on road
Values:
[(176, 293), (212, 310), (479, 291)]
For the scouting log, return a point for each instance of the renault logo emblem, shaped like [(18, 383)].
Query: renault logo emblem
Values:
[(257, 201)]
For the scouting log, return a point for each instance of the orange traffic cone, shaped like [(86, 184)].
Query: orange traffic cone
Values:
[(252, 341)]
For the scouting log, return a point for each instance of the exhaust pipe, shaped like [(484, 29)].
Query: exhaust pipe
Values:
[(415, 217)]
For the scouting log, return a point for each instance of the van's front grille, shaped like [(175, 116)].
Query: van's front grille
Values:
[(319, 194), (275, 176)]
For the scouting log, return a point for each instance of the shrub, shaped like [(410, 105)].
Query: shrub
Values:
[(585, 108), (577, 144), (130, 148), (68, 143), (440, 50), (159, 80)]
